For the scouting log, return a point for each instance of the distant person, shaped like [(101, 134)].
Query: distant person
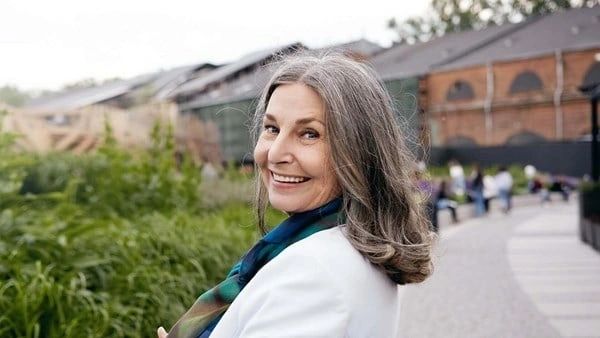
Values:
[(490, 191), (457, 174), (476, 190), (504, 184), (536, 185), (427, 191), (443, 201), (530, 174), (560, 185)]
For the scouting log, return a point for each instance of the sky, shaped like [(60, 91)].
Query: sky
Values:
[(47, 44)]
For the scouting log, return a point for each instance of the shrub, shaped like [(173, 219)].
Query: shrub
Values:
[(112, 244)]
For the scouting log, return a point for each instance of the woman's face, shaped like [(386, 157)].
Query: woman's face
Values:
[(292, 151)]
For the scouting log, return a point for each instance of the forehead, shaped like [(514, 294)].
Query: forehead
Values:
[(295, 101)]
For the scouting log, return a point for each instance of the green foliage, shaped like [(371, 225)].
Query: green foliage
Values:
[(116, 181), (448, 16), (589, 186), (13, 96), (111, 244), (234, 172), (12, 166)]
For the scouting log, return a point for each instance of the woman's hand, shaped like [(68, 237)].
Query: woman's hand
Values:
[(161, 332)]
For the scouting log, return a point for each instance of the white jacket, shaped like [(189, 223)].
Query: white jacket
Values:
[(320, 286), (504, 180)]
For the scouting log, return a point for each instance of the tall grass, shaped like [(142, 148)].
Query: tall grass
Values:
[(112, 244)]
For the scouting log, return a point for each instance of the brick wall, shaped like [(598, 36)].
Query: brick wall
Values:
[(511, 114)]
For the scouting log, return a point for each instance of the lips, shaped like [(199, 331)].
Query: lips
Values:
[(288, 178)]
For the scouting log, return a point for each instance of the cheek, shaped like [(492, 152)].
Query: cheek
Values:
[(260, 153), (320, 164), (330, 178)]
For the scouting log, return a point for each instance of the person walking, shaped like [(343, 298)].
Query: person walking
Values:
[(476, 190), (443, 201), (457, 175), (504, 183)]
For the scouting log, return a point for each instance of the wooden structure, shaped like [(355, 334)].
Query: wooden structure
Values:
[(81, 130)]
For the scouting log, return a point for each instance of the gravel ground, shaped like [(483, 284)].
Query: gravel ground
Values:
[(473, 292)]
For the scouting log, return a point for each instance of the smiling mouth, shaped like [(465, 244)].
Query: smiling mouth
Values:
[(288, 179)]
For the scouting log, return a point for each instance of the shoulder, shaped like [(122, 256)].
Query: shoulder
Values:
[(334, 252), (347, 268), (291, 296), (313, 289), (370, 297)]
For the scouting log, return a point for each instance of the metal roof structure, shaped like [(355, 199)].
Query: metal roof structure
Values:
[(78, 98), (225, 72), (245, 87), (576, 29), (405, 60), (362, 47), (160, 83), (249, 85), (167, 81)]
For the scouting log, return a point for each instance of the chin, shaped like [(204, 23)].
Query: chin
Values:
[(285, 205)]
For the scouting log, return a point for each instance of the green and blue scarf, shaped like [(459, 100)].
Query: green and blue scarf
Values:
[(200, 320)]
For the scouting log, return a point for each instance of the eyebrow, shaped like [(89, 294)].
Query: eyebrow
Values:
[(305, 120)]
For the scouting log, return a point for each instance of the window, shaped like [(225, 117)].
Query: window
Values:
[(592, 76), (461, 141), (526, 82), (525, 137), (460, 90)]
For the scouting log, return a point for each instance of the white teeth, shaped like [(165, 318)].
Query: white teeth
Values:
[(289, 179)]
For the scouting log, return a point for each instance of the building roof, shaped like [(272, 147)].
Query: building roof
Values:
[(224, 72), (405, 60), (161, 83), (249, 85), (575, 29), (362, 47), (78, 98), (167, 81)]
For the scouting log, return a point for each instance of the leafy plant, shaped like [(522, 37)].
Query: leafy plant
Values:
[(114, 243)]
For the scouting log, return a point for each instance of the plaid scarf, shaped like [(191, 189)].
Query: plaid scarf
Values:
[(200, 320)]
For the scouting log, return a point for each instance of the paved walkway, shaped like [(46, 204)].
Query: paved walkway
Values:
[(525, 274)]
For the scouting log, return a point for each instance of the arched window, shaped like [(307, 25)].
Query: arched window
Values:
[(460, 90), (525, 82), (525, 137), (461, 142), (592, 76)]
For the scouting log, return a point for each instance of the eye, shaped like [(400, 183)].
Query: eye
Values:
[(310, 134), (270, 129)]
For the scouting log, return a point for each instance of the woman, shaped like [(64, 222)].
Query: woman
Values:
[(330, 154)]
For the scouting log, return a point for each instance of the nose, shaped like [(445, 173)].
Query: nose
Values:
[(280, 150)]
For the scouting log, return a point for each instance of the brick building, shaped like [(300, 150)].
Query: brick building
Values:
[(510, 84)]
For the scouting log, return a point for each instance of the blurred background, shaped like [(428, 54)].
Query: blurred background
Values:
[(126, 167)]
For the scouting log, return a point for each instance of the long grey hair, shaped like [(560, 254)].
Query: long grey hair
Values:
[(385, 220)]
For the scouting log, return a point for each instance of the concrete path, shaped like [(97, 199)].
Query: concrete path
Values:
[(558, 272), (519, 275)]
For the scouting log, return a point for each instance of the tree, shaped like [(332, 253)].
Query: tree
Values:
[(13, 96), (448, 16), (83, 83)]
